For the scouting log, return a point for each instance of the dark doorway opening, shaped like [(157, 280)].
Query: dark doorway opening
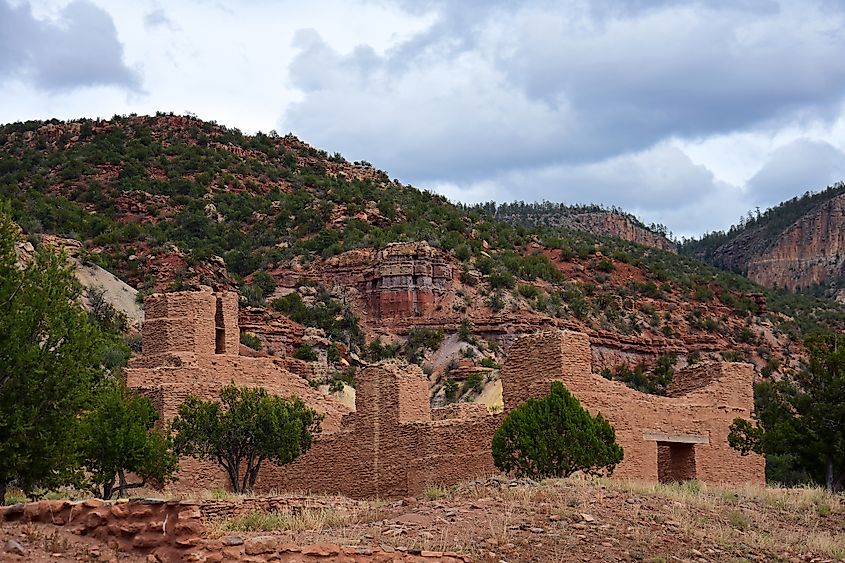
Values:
[(219, 329), (675, 462)]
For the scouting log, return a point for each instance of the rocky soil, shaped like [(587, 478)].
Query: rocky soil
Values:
[(500, 520)]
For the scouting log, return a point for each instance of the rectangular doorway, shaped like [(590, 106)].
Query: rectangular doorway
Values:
[(675, 462)]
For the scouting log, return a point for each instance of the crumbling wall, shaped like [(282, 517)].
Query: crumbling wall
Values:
[(707, 399), (394, 445), (169, 530), (459, 410), (172, 530), (390, 447)]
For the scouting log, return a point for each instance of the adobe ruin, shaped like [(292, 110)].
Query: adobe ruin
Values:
[(395, 444), (677, 437)]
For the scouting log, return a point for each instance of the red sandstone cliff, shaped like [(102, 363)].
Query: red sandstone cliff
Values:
[(809, 252), (806, 251)]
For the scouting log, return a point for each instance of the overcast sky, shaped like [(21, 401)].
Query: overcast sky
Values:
[(685, 113)]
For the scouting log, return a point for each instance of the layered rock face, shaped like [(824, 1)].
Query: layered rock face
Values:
[(617, 225), (402, 280), (809, 252), (406, 280)]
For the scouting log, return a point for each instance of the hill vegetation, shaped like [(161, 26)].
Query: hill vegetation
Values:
[(170, 202)]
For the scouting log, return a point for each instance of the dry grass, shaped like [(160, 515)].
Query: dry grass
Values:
[(434, 492), (301, 519), (752, 515)]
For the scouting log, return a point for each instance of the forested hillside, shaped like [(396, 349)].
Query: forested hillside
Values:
[(336, 261), (795, 245)]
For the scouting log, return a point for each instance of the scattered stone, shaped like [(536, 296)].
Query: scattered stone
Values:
[(536, 530), (233, 540), (588, 518), (260, 545), (13, 546)]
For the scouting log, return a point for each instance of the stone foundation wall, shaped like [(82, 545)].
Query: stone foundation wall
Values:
[(175, 531), (168, 529)]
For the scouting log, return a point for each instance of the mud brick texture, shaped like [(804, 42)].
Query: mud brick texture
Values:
[(394, 444)]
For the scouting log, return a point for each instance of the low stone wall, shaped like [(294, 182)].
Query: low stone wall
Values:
[(168, 529), (173, 530), (270, 548)]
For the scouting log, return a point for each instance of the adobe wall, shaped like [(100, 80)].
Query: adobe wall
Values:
[(391, 447), (394, 444), (705, 400)]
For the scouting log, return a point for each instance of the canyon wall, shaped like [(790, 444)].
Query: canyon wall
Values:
[(805, 253), (605, 223)]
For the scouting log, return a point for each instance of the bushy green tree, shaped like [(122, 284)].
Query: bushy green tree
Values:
[(555, 437), (51, 357), (801, 418), (118, 437), (247, 427)]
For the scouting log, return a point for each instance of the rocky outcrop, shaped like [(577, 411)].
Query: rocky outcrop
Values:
[(599, 223), (404, 280), (618, 225), (809, 252), (116, 293)]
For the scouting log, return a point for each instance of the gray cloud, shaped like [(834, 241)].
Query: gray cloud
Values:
[(795, 168), (580, 101), (489, 87), (157, 18), (661, 185), (81, 49)]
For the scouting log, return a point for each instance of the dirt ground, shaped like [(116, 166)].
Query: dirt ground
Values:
[(578, 520), (40, 543), (563, 520)]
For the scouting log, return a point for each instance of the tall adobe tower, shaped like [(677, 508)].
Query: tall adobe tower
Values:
[(189, 328)]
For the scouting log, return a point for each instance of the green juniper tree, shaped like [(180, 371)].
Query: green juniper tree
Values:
[(800, 419), (51, 357), (555, 437), (247, 427)]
